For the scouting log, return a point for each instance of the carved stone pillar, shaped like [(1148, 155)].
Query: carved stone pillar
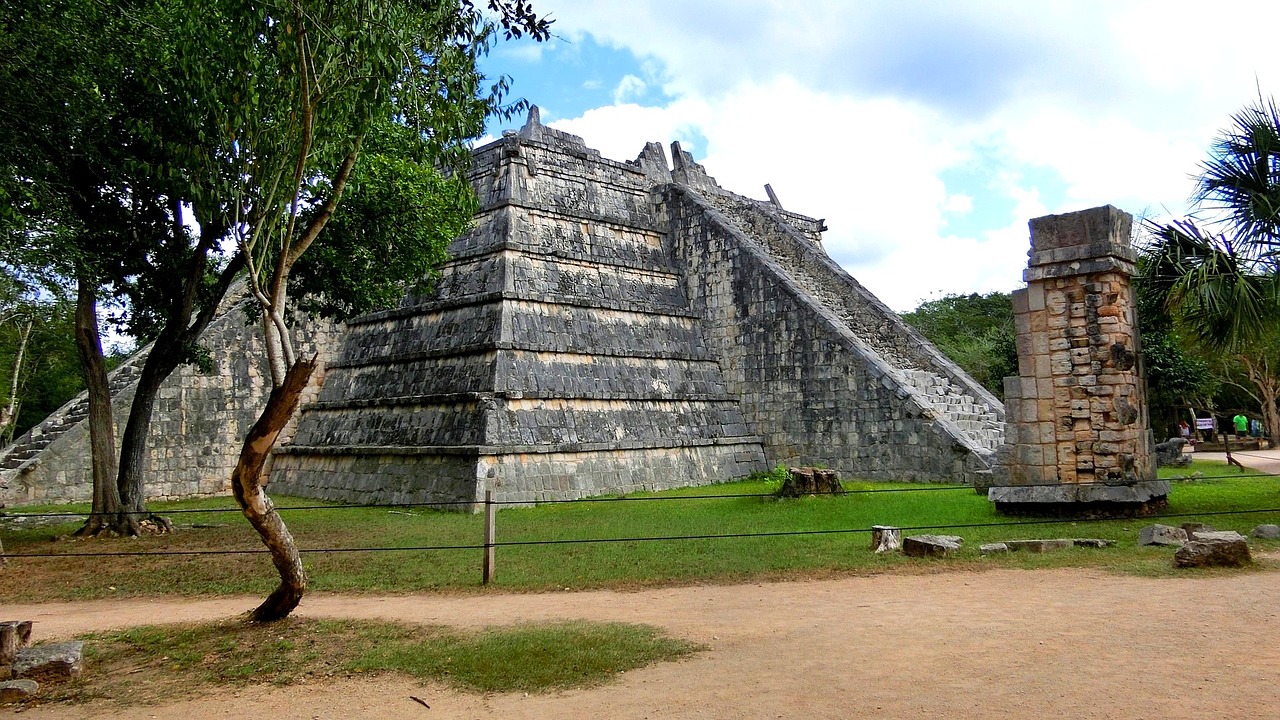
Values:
[(1077, 437)]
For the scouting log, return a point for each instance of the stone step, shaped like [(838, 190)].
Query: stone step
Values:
[(974, 419)]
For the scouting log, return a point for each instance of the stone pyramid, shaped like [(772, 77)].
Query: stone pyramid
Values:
[(556, 356), (605, 327)]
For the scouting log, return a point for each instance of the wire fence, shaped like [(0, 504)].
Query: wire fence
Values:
[(491, 543), (598, 499)]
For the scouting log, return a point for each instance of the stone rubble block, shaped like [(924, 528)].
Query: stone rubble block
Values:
[(1161, 535), (996, 548), (18, 690), (1221, 549), (1266, 532), (1231, 535), (1039, 546), (885, 538), (1093, 542), (1194, 527), (931, 545), (51, 663)]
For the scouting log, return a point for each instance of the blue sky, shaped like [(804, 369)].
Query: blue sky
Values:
[(926, 133)]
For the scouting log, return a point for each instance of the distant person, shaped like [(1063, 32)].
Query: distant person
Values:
[(1184, 430), (1241, 424)]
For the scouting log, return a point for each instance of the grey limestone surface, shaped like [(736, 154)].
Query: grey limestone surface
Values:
[(605, 326)]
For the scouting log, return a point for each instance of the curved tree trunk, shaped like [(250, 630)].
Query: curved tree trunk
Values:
[(107, 512), (187, 319), (250, 490), (133, 446)]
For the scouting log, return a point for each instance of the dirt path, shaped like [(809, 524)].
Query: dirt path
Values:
[(1266, 461), (1000, 644)]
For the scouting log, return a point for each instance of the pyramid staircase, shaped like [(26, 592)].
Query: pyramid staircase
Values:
[(26, 448), (792, 244)]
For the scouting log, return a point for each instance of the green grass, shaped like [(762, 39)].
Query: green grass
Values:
[(154, 663), (946, 509)]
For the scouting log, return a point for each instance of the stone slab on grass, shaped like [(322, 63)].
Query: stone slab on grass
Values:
[(931, 545), (1267, 532), (1039, 546), (18, 690), (1093, 542), (1162, 535), (1217, 535), (1223, 549), (51, 663), (993, 548)]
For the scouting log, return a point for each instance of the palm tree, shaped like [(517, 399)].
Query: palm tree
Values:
[(1225, 287)]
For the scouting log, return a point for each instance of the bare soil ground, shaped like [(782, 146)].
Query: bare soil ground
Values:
[(997, 644)]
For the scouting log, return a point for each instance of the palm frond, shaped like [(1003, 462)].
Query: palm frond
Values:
[(1216, 293), (1242, 176)]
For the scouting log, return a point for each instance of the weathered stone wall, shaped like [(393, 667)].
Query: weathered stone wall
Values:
[(577, 365), (1078, 427), (814, 391), (200, 420)]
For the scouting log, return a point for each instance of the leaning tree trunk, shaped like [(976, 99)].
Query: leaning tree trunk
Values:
[(250, 490), (107, 512), (185, 322), (133, 446)]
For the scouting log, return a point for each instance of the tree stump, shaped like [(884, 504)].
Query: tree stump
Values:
[(810, 481), (885, 538)]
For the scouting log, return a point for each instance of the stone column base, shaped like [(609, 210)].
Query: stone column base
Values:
[(1083, 500)]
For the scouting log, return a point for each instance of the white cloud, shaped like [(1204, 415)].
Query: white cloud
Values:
[(523, 52), (628, 88), (958, 205), (857, 111)]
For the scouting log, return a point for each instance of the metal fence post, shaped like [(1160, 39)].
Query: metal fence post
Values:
[(490, 511)]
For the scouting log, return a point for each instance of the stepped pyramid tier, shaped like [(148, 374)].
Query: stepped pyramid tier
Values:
[(557, 355), (826, 373), (614, 326)]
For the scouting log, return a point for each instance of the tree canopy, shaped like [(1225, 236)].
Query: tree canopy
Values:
[(1218, 277), (151, 150), (975, 331)]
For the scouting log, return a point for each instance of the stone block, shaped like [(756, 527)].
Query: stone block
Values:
[(12, 691), (1161, 535), (885, 538), (1266, 532), (1217, 551), (1207, 533), (1191, 528), (993, 548), (50, 663), (1038, 546), (931, 545)]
